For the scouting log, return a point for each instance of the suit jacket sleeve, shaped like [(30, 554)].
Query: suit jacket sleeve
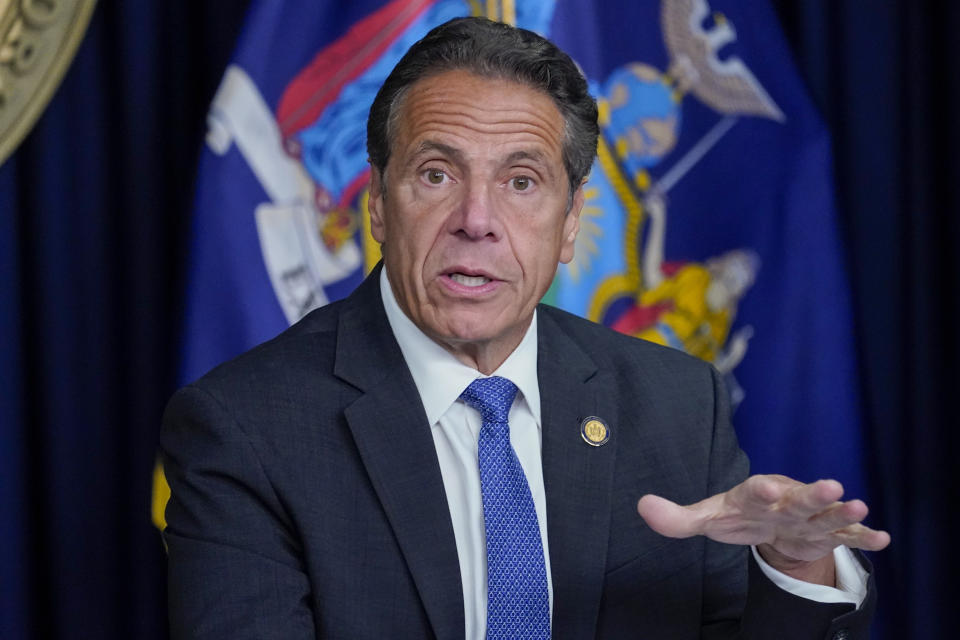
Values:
[(235, 568), (769, 611)]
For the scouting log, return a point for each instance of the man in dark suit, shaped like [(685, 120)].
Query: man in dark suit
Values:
[(439, 456)]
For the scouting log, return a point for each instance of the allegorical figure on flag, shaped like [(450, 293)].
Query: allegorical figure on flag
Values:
[(439, 455)]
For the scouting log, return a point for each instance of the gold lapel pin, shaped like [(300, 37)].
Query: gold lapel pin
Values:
[(595, 431)]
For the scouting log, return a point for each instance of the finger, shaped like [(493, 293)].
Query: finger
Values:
[(670, 519), (858, 536), (807, 500), (762, 491), (840, 515)]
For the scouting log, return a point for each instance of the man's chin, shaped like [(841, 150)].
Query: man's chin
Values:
[(465, 335), (461, 331)]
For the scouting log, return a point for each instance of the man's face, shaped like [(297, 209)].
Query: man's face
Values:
[(473, 214)]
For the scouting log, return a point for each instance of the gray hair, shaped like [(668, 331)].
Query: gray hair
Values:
[(493, 50)]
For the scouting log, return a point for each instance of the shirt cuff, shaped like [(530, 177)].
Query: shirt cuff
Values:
[(851, 580)]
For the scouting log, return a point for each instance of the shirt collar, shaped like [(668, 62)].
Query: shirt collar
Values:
[(441, 378)]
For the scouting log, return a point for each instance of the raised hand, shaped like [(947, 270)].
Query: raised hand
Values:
[(795, 526)]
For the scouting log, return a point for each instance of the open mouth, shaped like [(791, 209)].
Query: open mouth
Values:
[(469, 281)]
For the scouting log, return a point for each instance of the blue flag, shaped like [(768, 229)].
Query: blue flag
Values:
[(708, 226)]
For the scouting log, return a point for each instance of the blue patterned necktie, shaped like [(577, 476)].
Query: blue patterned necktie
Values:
[(517, 601)]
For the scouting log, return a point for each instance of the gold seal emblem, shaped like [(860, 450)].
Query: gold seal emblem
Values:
[(594, 431), (38, 39)]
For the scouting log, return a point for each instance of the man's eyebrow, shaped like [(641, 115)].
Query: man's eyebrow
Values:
[(430, 145), (523, 154), (534, 156)]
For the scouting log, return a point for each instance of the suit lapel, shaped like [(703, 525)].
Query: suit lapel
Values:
[(391, 431), (577, 477)]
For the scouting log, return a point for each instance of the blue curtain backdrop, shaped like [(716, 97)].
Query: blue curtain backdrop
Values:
[(94, 210), (94, 221), (885, 75)]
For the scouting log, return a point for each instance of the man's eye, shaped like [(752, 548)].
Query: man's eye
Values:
[(435, 176), (521, 183)]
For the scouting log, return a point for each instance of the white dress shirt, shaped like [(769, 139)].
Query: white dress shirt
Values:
[(440, 379)]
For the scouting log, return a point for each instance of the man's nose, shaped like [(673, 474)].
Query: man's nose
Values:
[(475, 215)]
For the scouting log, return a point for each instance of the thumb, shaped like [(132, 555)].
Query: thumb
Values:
[(668, 518)]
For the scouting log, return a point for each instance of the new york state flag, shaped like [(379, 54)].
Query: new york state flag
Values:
[(708, 225)]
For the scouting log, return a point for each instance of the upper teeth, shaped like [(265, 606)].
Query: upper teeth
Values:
[(469, 281)]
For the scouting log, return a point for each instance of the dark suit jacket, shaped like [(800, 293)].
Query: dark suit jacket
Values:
[(307, 499)]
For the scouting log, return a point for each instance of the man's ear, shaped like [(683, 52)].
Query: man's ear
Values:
[(571, 225), (375, 205)]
